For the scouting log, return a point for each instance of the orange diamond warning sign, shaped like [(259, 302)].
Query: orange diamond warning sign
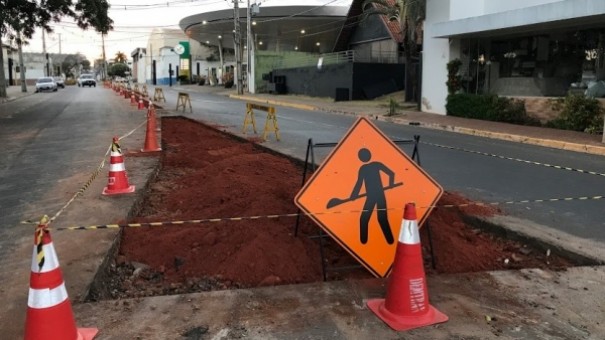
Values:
[(357, 195)]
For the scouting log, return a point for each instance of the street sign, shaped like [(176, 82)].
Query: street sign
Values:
[(357, 195)]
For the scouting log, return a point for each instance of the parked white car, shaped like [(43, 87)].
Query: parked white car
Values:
[(46, 84)]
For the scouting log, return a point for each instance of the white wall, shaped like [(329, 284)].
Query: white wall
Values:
[(460, 9), (435, 56), (494, 6), (163, 62)]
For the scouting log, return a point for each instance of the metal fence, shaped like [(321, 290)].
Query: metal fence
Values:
[(342, 57)]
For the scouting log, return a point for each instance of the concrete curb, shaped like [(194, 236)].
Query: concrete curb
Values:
[(591, 149)]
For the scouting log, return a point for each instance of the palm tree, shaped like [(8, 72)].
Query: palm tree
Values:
[(410, 14), (121, 57)]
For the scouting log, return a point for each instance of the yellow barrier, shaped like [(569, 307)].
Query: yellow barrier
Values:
[(158, 94), (183, 100), (270, 123)]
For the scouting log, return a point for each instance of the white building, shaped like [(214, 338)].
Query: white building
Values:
[(536, 48), (10, 64), (160, 56)]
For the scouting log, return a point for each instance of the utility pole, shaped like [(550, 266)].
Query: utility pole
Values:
[(104, 72), (46, 72), (249, 47), (60, 67), (238, 49), (21, 66)]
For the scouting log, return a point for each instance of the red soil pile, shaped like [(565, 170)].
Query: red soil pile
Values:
[(209, 174)]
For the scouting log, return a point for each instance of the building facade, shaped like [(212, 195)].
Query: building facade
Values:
[(160, 57), (519, 48)]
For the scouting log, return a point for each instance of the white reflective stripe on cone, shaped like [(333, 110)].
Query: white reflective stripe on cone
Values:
[(46, 298), (51, 261), (116, 167), (115, 154), (409, 232)]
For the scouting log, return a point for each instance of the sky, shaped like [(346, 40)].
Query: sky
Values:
[(134, 20)]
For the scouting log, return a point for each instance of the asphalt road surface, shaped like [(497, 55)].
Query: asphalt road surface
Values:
[(48, 139)]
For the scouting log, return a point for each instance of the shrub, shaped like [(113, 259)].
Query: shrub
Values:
[(454, 80), (578, 113), (393, 106), (489, 107), (467, 105)]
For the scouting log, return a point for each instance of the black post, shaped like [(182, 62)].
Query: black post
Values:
[(170, 74), (419, 77), (10, 72), (153, 75)]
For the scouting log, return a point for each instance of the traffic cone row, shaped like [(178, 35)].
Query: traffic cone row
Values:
[(117, 182), (151, 143), (49, 314), (406, 305)]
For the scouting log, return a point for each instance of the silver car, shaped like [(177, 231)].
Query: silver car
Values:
[(60, 82), (45, 84)]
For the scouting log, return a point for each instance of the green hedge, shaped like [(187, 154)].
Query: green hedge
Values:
[(489, 107), (578, 113)]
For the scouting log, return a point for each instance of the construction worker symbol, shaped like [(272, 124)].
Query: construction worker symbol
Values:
[(358, 192), (369, 177)]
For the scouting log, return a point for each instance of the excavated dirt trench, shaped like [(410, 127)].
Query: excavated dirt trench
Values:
[(206, 173)]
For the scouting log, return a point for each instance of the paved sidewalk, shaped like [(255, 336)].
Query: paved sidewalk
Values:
[(14, 93), (554, 138)]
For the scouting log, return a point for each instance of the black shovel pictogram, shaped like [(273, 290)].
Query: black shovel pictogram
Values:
[(333, 202)]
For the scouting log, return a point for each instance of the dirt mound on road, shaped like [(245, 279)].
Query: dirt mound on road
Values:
[(209, 174)]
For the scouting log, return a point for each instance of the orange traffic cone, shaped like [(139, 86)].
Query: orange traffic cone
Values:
[(141, 103), (151, 107), (133, 100), (151, 142), (49, 314), (407, 301), (118, 181)]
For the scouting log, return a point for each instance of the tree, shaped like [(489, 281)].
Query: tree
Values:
[(20, 19), (121, 57), (118, 70), (71, 63), (410, 14)]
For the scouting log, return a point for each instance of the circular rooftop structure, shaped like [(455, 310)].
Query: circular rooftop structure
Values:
[(280, 28)]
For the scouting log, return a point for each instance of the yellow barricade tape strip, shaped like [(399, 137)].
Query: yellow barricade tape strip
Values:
[(89, 181), (244, 218), (515, 159)]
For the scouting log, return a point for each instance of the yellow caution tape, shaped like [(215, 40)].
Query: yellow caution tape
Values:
[(244, 218), (560, 167)]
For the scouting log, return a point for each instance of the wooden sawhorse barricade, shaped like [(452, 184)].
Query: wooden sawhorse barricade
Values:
[(270, 123), (158, 94), (183, 100)]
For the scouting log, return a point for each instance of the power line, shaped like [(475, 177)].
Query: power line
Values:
[(175, 4)]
